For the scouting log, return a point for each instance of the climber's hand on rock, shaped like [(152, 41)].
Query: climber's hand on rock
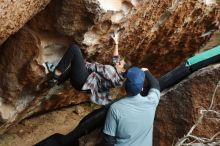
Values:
[(116, 34), (115, 37)]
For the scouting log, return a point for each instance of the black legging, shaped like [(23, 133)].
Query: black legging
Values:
[(72, 65)]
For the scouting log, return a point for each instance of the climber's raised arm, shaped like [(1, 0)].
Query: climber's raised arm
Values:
[(115, 37), (121, 63)]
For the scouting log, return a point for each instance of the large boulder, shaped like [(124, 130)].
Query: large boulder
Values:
[(158, 35), (180, 107), (15, 13), (66, 18), (23, 89)]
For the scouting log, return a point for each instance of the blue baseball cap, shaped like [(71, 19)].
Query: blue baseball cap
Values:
[(135, 80)]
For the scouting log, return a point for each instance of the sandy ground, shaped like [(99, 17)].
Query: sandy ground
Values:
[(32, 130)]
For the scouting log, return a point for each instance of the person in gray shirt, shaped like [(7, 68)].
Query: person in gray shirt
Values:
[(129, 121)]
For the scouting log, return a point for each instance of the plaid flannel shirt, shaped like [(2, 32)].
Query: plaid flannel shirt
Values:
[(101, 79)]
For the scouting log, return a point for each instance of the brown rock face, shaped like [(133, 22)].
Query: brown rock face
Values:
[(69, 23), (162, 33), (158, 35), (67, 18), (14, 14), (180, 107), (22, 91), (19, 65)]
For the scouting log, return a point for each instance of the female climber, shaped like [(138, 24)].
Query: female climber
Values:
[(93, 77)]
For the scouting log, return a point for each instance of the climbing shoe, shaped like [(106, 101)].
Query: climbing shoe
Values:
[(51, 69)]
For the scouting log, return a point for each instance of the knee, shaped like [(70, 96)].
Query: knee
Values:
[(74, 47)]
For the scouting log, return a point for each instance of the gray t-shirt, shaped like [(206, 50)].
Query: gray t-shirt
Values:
[(130, 119)]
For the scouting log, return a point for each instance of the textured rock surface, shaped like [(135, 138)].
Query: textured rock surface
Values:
[(67, 17), (180, 107), (161, 34), (22, 91), (20, 57), (20, 72), (15, 13)]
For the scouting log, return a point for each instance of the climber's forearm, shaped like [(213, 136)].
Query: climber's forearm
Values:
[(115, 52)]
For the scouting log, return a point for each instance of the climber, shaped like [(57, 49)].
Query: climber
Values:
[(129, 121), (93, 77)]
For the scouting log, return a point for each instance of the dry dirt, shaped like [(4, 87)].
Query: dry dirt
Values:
[(36, 128)]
